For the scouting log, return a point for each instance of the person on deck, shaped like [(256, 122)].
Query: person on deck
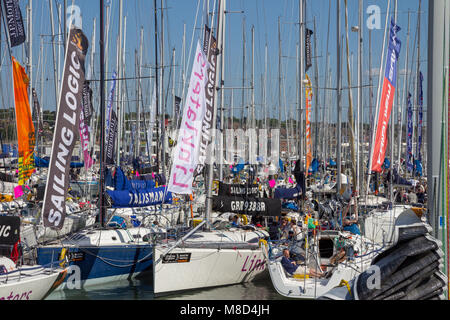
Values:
[(292, 268), (235, 222)]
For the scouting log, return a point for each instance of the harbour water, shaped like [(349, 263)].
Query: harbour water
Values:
[(142, 289)]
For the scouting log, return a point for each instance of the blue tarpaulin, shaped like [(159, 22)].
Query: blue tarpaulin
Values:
[(280, 164), (288, 193), (239, 167), (314, 167), (418, 168), (386, 163)]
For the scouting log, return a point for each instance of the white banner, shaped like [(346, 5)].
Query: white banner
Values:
[(185, 156)]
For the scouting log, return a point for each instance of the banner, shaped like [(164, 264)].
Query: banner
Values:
[(88, 109), (209, 49), (142, 198), (84, 138), (85, 120), (387, 98), (110, 102), (308, 98), (409, 123), (177, 106), (420, 124), (66, 127), (111, 138), (238, 189), (248, 205), (37, 111), (9, 230), (186, 152), (308, 55), (14, 20), (26, 138)]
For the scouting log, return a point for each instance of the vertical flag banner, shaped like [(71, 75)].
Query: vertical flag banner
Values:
[(308, 97), (14, 20), (186, 152), (66, 130), (25, 129), (308, 55), (110, 102), (409, 157), (84, 128), (420, 122), (387, 98), (209, 50)]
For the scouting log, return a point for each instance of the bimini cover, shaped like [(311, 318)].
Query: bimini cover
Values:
[(408, 270)]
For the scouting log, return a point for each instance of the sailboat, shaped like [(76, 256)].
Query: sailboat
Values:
[(210, 254), (94, 255), (20, 279)]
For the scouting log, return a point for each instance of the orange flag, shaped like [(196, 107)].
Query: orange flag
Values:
[(24, 123)]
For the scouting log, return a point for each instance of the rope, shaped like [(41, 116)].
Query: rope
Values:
[(345, 283)]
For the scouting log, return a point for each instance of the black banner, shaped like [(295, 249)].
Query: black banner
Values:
[(9, 230), (111, 139), (209, 95), (15, 23), (88, 109), (238, 190), (247, 205), (308, 55), (177, 106), (37, 111), (66, 130)]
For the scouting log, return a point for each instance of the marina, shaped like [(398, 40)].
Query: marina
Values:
[(224, 150)]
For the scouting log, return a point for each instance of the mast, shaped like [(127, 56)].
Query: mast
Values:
[(279, 73), (405, 93), (55, 73), (380, 77), (222, 102), (350, 107), (102, 213), (253, 78), (161, 99), (360, 121), (119, 84), (339, 85), (156, 79), (30, 52), (416, 109), (300, 81), (210, 167), (316, 77), (438, 59)]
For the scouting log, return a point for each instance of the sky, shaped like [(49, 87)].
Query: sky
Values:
[(188, 16)]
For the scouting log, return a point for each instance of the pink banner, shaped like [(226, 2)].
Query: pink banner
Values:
[(84, 136), (186, 153)]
